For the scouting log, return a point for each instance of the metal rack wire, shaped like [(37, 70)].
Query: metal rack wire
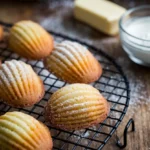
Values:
[(113, 85)]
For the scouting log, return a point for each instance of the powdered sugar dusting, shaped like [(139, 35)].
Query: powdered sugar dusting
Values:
[(63, 21), (65, 3), (20, 66), (137, 86), (65, 55), (71, 50), (138, 96), (8, 75)]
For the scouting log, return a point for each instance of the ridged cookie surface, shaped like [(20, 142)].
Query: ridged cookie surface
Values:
[(30, 40), (19, 131), (20, 86), (76, 106), (73, 63)]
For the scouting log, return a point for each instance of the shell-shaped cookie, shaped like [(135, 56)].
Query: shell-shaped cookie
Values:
[(73, 63), (20, 86), (1, 33), (30, 40), (76, 106), (19, 131)]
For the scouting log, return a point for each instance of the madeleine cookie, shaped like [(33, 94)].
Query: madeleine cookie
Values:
[(1, 33), (73, 63), (30, 40), (20, 86), (19, 131), (76, 106)]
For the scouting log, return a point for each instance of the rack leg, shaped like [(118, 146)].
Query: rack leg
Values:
[(131, 121)]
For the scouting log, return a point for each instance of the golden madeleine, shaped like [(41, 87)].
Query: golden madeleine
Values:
[(76, 106), (19, 131), (73, 63), (30, 40), (20, 86), (1, 33)]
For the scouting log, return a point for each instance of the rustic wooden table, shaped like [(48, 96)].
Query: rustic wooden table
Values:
[(58, 15)]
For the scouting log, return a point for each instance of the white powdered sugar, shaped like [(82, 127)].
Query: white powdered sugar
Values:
[(137, 95), (71, 51), (62, 53)]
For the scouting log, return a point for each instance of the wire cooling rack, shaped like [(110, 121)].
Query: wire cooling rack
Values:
[(113, 85)]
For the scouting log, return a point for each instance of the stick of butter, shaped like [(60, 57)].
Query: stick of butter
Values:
[(101, 14)]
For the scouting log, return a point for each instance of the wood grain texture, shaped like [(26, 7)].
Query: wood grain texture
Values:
[(58, 16)]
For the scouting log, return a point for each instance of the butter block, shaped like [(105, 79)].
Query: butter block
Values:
[(100, 14)]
